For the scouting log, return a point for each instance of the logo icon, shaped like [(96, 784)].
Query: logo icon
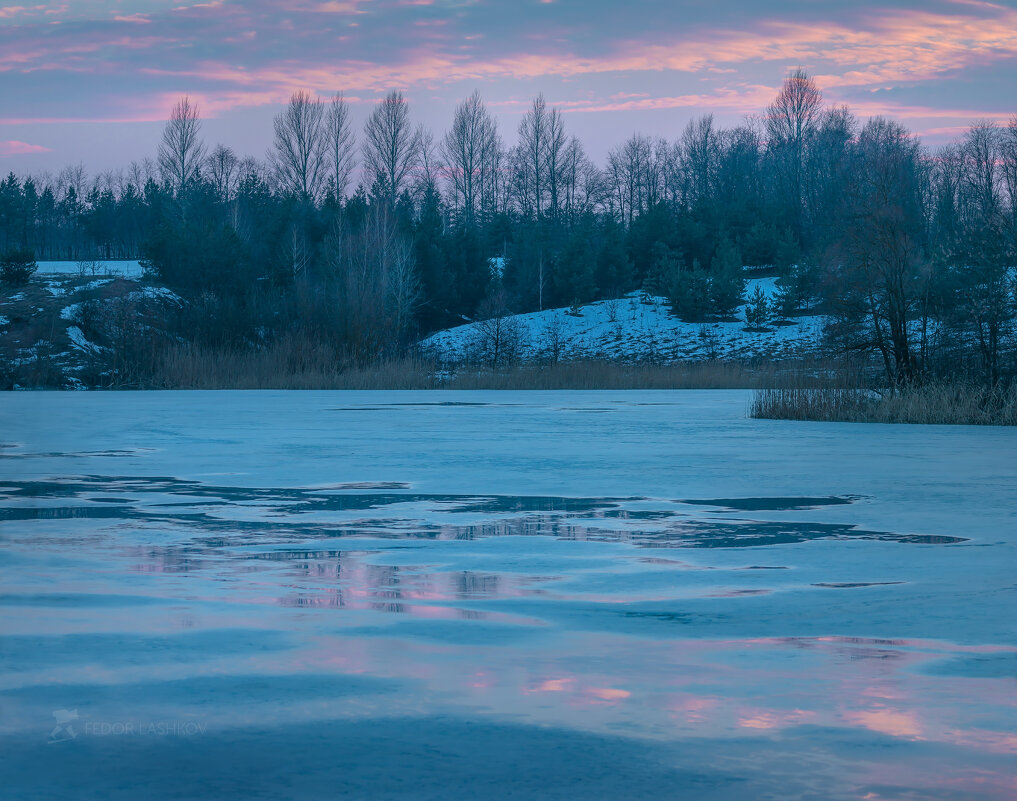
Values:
[(63, 729)]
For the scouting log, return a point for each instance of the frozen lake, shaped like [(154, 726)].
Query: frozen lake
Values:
[(126, 268), (535, 595)]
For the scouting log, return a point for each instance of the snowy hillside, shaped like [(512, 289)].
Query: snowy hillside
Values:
[(633, 328), (57, 330)]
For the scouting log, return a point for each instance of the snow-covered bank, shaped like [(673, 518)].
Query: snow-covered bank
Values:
[(633, 328), (58, 330)]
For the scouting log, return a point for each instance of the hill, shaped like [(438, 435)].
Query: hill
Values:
[(634, 328)]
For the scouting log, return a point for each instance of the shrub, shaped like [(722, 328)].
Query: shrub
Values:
[(17, 266)]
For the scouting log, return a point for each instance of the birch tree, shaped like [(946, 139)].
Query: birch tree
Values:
[(390, 145), (181, 150), (341, 145), (299, 146)]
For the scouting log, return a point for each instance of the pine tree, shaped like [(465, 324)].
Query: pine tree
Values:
[(757, 310), (727, 282)]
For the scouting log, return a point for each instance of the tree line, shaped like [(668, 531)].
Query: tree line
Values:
[(367, 239)]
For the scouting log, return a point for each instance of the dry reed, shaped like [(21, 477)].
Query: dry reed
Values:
[(295, 363), (933, 403)]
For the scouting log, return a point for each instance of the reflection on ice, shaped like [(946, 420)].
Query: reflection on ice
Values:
[(245, 515), (385, 633)]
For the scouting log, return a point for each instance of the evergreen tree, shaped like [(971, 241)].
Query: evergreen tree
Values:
[(727, 279)]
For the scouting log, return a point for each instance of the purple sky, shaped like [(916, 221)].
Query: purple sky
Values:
[(92, 80)]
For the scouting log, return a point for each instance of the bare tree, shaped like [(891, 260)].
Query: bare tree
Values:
[(791, 122), (141, 172), (467, 149), (880, 271), (532, 156), (982, 154), (73, 177), (404, 291), (428, 161), (631, 172), (298, 155), (700, 157), (554, 157), (181, 152), (390, 147), (342, 142), (494, 185), (221, 168), (498, 337), (737, 179), (826, 163), (1008, 166), (576, 173), (379, 290)]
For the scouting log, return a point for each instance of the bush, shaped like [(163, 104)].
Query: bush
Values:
[(17, 266)]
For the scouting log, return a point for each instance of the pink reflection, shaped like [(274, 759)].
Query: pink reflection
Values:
[(553, 686), (887, 721), (771, 719), (608, 694), (694, 709)]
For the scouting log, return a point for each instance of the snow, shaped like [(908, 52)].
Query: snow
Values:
[(638, 328), (160, 293), (221, 558), (127, 268), (78, 340)]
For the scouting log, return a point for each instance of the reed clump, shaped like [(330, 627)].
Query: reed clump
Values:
[(936, 403)]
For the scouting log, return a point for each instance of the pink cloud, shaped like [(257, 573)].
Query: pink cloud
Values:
[(13, 147), (9, 12)]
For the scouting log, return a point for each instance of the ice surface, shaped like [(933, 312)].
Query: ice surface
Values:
[(472, 595)]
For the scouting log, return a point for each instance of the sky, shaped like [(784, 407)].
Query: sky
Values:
[(92, 81)]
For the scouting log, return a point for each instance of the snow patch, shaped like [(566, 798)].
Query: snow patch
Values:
[(79, 341), (156, 293), (634, 328)]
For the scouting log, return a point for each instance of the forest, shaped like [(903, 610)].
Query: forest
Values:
[(363, 241)]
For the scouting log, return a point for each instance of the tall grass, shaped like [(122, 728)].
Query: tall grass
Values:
[(290, 363), (934, 403), (299, 363)]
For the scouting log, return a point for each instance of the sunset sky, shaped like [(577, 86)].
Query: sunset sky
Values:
[(92, 80)]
